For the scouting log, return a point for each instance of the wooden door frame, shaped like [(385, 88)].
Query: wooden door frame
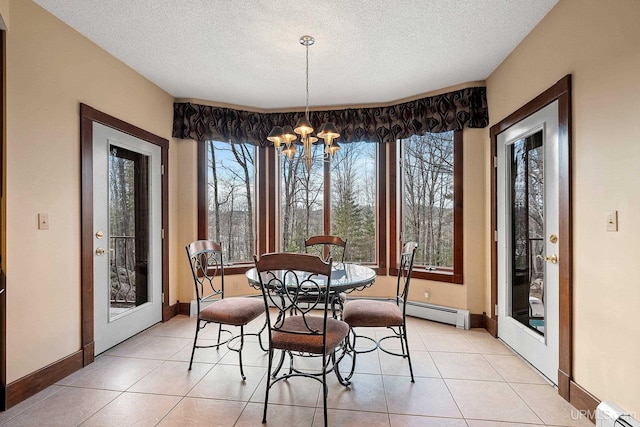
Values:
[(561, 91), (88, 116), (3, 298)]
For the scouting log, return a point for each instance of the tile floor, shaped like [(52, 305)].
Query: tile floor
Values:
[(463, 378)]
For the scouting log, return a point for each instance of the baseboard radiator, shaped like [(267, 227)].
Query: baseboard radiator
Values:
[(608, 414), (452, 316), (437, 313)]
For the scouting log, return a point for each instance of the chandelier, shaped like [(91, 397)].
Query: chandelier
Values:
[(283, 137)]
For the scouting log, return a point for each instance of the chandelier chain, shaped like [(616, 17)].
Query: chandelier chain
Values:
[(306, 110)]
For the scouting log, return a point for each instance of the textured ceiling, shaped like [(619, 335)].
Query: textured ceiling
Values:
[(246, 52)]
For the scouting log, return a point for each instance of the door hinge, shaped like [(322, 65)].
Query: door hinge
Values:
[(495, 235), (496, 312), (162, 233), (161, 169), (163, 297), (495, 161)]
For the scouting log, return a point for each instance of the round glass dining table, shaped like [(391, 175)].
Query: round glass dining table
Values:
[(345, 277)]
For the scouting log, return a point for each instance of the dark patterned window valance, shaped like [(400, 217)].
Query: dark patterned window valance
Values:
[(441, 113)]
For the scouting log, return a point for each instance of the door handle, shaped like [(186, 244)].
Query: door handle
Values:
[(100, 251), (553, 259)]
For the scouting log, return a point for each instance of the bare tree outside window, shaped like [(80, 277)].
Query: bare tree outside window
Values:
[(301, 192), (427, 209), (353, 199), (231, 198)]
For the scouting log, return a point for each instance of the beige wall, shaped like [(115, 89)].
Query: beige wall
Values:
[(50, 70), (598, 42)]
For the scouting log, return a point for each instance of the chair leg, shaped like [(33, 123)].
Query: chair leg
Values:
[(266, 394), (325, 390), (260, 335), (240, 352), (195, 340), (403, 328)]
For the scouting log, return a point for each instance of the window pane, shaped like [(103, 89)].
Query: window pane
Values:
[(231, 198), (427, 210), (353, 199), (301, 193)]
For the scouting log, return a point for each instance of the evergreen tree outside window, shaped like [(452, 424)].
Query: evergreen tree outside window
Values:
[(353, 199)]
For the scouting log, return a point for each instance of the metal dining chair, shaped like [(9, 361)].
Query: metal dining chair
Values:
[(299, 329), (327, 246), (392, 315), (205, 258)]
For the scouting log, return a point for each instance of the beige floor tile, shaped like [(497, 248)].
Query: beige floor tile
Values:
[(454, 343), (178, 327), (203, 412), (172, 378), (366, 393), (484, 343), (277, 415), (294, 391), (366, 363), (415, 421), (424, 326), (120, 374), (479, 423), (468, 366), (68, 407), (98, 363), (126, 347), (343, 418), (202, 355), (381, 393), (549, 406), (514, 370), (486, 400), (415, 341), (26, 404), (161, 348), (405, 397), (423, 365), (252, 355), (225, 382), (133, 409)]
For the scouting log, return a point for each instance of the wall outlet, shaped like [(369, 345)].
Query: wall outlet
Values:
[(427, 293), (611, 218), (43, 221)]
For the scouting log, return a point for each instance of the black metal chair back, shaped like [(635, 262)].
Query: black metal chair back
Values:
[(326, 247), (404, 274), (205, 258)]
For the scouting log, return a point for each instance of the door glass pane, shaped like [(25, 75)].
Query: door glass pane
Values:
[(526, 186), (128, 229)]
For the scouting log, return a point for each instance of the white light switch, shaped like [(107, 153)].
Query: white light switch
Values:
[(43, 221), (611, 217)]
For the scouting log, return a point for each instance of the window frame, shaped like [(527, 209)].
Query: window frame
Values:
[(202, 202), (379, 265), (454, 275)]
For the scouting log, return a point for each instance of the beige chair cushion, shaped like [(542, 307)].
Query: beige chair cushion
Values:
[(233, 311), (368, 313), (336, 332)]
